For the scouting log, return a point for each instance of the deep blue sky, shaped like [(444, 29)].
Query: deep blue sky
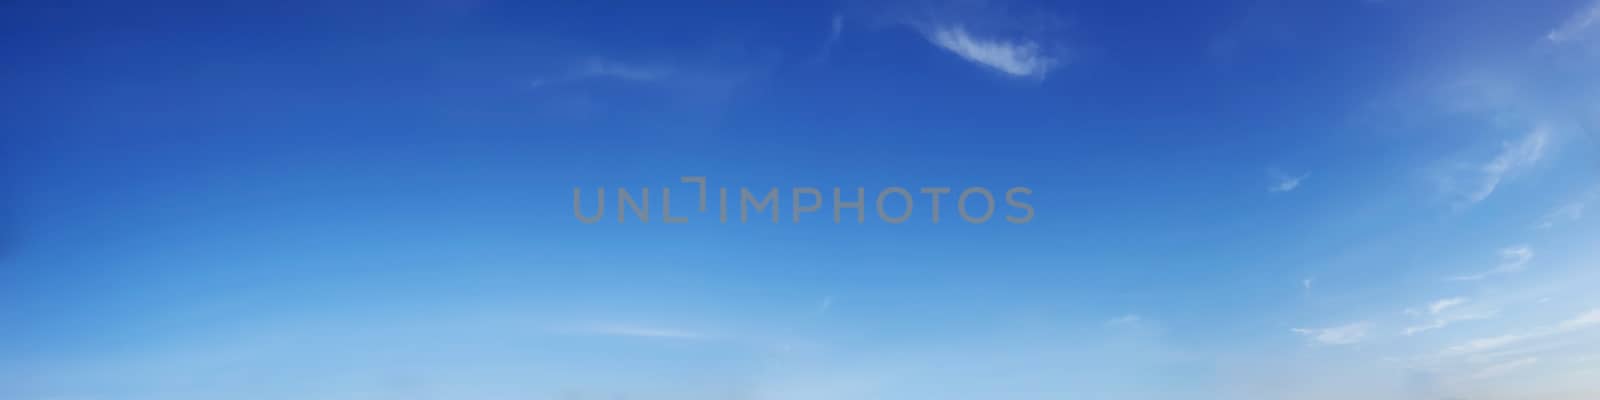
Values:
[(1235, 200)]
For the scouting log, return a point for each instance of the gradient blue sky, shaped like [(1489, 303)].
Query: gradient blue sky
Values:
[(372, 200)]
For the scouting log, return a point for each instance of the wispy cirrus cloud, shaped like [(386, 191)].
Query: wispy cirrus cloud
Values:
[(1013, 39), (1569, 212), (1442, 322), (835, 31), (1576, 26), (697, 84), (635, 331), (1438, 306), (1124, 320), (611, 69), (1445, 304), (1579, 322), (1477, 182), (1018, 57), (1440, 316), (1506, 104), (1512, 259), (1566, 213), (1283, 182), (837, 28), (1504, 368), (1338, 335), (600, 68)]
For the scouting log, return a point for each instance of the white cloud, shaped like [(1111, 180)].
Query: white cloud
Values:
[(1436, 324), (825, 304), (1125, 320), (1586, 319), (1020, 58), (694, 86), (1570, 212), (637, 332), (1439, 318), (1512, 157), (1566, 213), (1575, 26), (1339, 335), (1482, 344), (1285, 182), (1504, 368), (1512, 259), (1445, 304), (1582, 321), (835, 30), (599, 68)]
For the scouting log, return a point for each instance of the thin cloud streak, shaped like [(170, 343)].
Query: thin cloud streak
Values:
[(1512, 259), (1447, 321), (1504, 368), (1582, 321), (1286, 183), (1445, 304), (1566, 213), (1576, 26), (1020, 58), (636, 332), (835, 31), (1570, 212), (1440, 319), (1125, 320), (1339, 335), (598, 68), (1512, 156)]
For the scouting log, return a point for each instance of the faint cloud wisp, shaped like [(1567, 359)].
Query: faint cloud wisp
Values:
[(1582, 321), (1576, 26), (1512, 157), (605, 69), (1129, 319), (635, 332), (1285, 182), (1440, 319), (1570, 212), (1020, 58), (1512, 259), (1339, 335)]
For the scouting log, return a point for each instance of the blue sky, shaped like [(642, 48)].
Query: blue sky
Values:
[(372, 200)]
